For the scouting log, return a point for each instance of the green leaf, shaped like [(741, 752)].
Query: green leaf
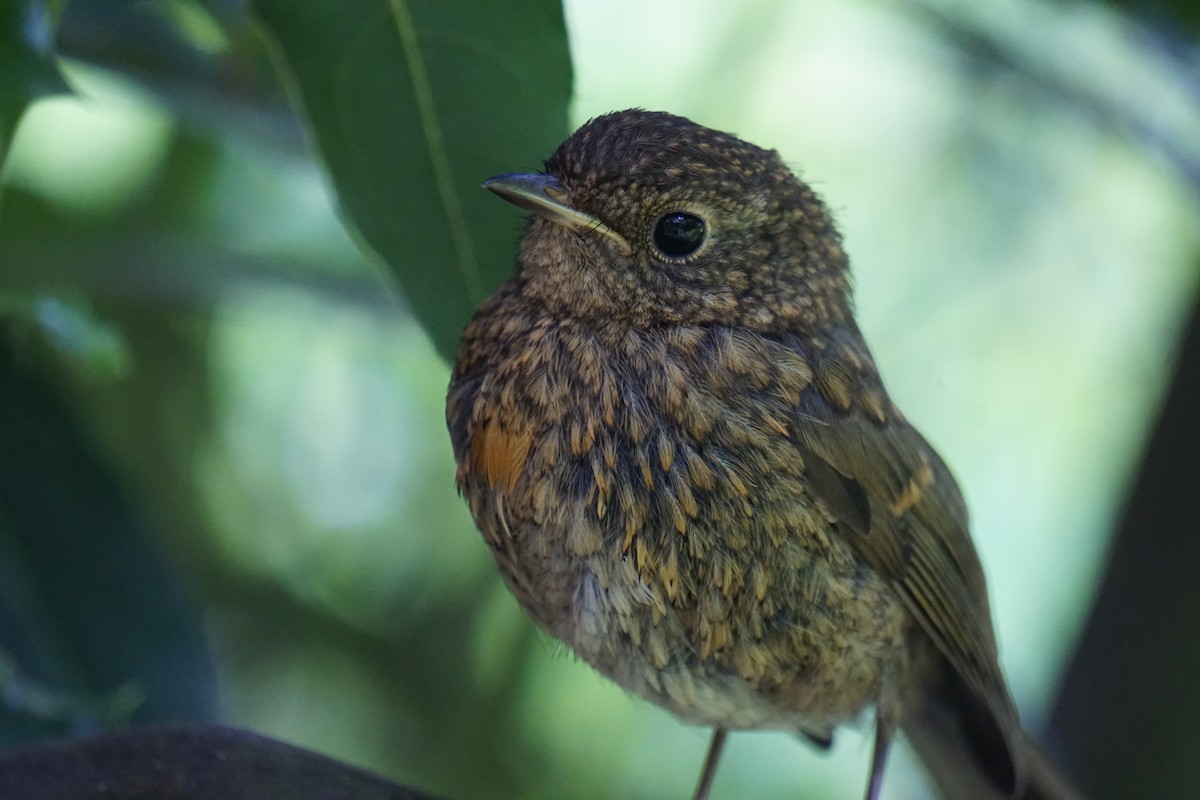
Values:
[(95, 629), (412, 103), (27, 68)]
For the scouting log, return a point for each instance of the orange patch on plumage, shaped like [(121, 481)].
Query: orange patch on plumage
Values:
[(497, 455)]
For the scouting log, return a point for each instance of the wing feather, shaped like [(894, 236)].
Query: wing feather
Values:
[(915, 532)]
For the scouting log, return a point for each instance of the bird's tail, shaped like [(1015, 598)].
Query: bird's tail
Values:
[(935, 735)]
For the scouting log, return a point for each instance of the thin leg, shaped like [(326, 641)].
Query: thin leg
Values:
[(710, 763), (879, 756)]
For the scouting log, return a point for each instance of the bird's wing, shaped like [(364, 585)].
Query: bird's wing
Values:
[(884, 484)]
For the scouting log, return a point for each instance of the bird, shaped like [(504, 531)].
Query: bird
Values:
[(678, 448)]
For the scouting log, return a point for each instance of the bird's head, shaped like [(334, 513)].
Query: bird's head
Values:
[(650, 219)]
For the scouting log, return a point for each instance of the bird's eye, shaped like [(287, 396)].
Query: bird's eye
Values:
[(678, 234)]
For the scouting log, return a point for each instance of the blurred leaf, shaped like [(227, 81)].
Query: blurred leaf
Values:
[(1180, 18), (205, 62), (80, 336), (28, 71), (94, 627), (414, 102), (1010, 49)]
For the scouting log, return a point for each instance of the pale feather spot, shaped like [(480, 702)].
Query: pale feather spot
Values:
[(590, 612), (913, 490)]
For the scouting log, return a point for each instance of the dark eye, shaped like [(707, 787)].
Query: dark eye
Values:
[(678, 234)]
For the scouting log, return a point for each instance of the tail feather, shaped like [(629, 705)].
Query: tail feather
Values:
[(935, 734)]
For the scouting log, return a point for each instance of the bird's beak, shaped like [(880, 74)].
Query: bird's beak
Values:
[(545, 196)]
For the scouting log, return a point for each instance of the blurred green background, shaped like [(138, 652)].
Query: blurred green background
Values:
[(226, 490)]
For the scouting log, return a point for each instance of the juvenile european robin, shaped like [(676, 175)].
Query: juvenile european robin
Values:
[(677, 446)]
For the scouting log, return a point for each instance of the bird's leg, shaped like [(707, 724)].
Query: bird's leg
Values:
[(879, 756), (710, 764)]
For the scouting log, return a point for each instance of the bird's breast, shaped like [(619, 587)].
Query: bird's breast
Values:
[(645, 501)]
